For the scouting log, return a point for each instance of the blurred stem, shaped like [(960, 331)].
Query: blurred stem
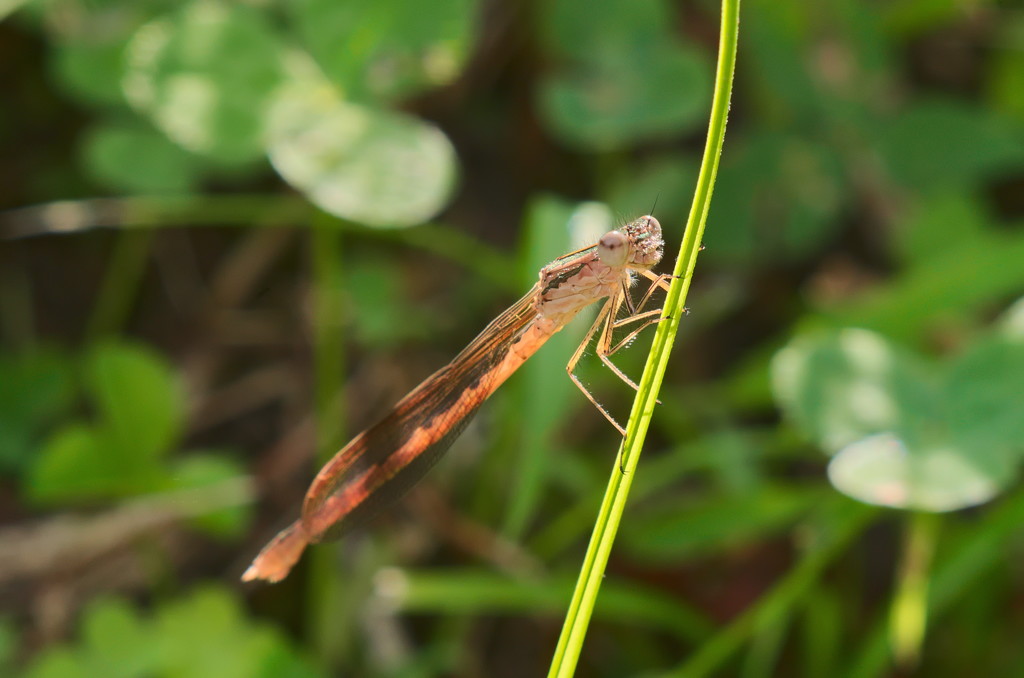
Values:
[(120, 285), (775, 606), (17, 323), (577, 619), (968, 558), (766, 647), (909, 614), (326, 620), (248, 210)]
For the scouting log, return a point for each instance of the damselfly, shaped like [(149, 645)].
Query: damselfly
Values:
[(388, 458)]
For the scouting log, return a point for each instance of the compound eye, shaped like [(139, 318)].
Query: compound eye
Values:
[(613, 248)]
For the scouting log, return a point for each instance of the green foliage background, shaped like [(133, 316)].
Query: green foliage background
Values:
[(235, 231)]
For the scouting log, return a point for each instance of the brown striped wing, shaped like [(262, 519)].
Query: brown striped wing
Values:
[(384, 461)]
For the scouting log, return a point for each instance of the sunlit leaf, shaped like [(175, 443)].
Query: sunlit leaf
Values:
[(899, 436), (842, 386), (881, 470), (372, 166), (205, 75)]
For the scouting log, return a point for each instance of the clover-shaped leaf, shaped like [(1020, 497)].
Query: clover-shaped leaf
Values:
[(377, 167), (902, 434), (882, 470), (843, 386), (205, 75)]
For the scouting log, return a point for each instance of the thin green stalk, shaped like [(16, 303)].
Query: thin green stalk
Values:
[(247, 210), (970, 557), (909, 612), (326, 618), (120, 286), (584, 597)]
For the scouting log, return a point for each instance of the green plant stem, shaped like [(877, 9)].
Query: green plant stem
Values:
[(325, 618), (969, 558), (120, 284), (248, 210), (581, 607), (910, 605)]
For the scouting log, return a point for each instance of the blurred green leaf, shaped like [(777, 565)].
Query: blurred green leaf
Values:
[(59, 663), (92, 71), (938, 145), (381, 308), (205, 75), (947, 222), (138, 398), (581, 29), (377, 167), (882, 470), (916, 16), (481, 592), (117, 641), (792, 193), (381, 50), (8, 644), (80, 463), (1011, 324), (617, 57), (618, 98), (139, 418), (983, 269), (985, 396), (203, 634), (777, 37), (138, 160), (901, 437), (1006, 75), (38, 387), (202, 469), (206, 634), (842, 386), (662, 184), (676, 530)]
